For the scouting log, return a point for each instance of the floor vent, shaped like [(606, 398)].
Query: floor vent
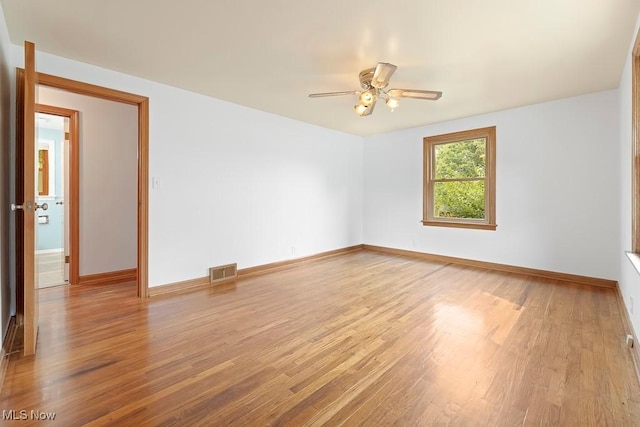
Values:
[(223, 273)]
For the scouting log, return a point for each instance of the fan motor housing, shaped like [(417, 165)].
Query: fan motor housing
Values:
[(365, 78)]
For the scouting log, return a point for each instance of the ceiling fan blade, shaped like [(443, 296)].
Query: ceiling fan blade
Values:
[(382, 74), (413, 93), (323, 94)]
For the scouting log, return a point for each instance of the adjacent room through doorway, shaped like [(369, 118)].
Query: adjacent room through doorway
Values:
[(53, 184)]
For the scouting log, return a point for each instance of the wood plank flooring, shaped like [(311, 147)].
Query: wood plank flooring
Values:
[(50, 269), (358, 339)]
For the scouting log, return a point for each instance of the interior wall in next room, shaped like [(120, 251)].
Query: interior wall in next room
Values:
[(108, 179), (49, 234)]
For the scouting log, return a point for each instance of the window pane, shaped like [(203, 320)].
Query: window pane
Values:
[(464, 159), (459, 199)]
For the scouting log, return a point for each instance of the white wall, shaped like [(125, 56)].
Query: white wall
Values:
[(556, 203), (7, 304), (108, 179), (236, 184), (629, 280)]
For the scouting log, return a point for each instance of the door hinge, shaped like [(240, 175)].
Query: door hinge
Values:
[(66, 259)]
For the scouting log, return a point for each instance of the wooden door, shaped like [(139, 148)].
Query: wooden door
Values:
[(29, 207)]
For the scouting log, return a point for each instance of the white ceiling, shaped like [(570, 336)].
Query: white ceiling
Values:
[(484, 55)]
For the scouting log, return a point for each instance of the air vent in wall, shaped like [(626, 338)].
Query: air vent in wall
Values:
[(223, 273)]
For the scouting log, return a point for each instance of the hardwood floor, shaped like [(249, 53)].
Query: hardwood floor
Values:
[(50, 269), (358, 339)]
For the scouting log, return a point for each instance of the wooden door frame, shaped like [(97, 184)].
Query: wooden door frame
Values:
[(19, 196), (73, 198), (142, 104)]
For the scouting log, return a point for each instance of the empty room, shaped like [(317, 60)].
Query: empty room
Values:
[(333, 213)]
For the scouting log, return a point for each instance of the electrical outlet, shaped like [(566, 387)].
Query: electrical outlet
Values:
[(631, 305), (293, 250), (629, 340)]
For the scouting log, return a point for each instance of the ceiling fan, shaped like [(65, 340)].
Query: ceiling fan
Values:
[(373, 82)]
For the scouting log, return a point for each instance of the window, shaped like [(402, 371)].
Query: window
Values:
[(459, 179)]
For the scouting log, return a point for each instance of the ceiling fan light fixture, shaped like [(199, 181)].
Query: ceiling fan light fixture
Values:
[(360, 109), (367, 97), (374, 83)]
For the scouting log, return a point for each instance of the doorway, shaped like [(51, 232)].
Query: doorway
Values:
[(52, 181), (57, 243), (26, 295), (142, 106)]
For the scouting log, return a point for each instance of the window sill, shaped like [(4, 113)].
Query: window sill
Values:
[(452, 224), (635, 260)]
